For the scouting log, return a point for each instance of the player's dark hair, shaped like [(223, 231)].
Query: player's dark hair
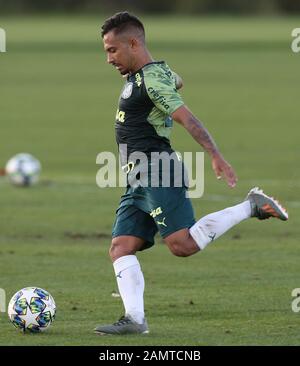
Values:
[(121, 22)]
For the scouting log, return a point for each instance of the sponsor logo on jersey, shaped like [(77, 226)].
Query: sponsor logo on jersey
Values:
[(120, 116), (158, 98), (138, 79), (128, 167), (127, 91)]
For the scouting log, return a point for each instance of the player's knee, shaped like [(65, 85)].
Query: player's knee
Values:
[(115, 250), (178, 248), (121, 246)]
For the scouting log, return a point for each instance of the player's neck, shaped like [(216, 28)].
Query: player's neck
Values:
[(143, 59)]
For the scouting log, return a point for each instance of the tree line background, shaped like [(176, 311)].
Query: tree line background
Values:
[(154, 6)]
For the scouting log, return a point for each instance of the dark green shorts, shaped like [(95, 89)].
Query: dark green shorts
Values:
[(143, 211)]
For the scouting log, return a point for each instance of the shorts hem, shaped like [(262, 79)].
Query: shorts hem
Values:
[(148, 243)]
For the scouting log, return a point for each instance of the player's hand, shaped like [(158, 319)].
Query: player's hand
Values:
[(224, 170), (178, 81)]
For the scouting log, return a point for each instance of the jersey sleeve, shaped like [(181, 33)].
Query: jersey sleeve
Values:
[(161, 88)]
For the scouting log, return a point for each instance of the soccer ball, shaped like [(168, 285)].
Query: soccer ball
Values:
[(32, 309), (23, 170)]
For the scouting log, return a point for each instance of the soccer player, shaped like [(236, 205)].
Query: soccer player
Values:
[(148, 104)]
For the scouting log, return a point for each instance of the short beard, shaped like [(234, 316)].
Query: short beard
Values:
[(125, 72)]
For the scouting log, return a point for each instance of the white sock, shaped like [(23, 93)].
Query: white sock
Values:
[(212, 226), (131, 286)]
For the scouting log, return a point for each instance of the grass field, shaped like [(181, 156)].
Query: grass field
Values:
[(58, 100)]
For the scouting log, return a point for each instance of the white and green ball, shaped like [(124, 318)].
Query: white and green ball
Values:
[(32, 309), (23, 170)]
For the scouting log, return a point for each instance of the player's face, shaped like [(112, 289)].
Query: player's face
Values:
[(119, 52)]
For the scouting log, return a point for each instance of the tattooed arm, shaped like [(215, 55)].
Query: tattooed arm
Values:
[(196, 129)]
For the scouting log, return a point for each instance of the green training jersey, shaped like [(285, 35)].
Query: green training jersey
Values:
[(143, 120)]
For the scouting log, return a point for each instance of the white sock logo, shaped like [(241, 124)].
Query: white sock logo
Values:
[(119, 275), (212, 236)]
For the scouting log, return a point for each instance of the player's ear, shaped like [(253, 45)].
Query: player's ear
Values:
[(134, 43)]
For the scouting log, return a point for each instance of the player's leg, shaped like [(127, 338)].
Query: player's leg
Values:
[(189, 241), (181, 243), (129, 275), (133, 230), (174, 215), (125, 245), (212, 226)]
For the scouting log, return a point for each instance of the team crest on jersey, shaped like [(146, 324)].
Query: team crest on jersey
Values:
[(127, 91)]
